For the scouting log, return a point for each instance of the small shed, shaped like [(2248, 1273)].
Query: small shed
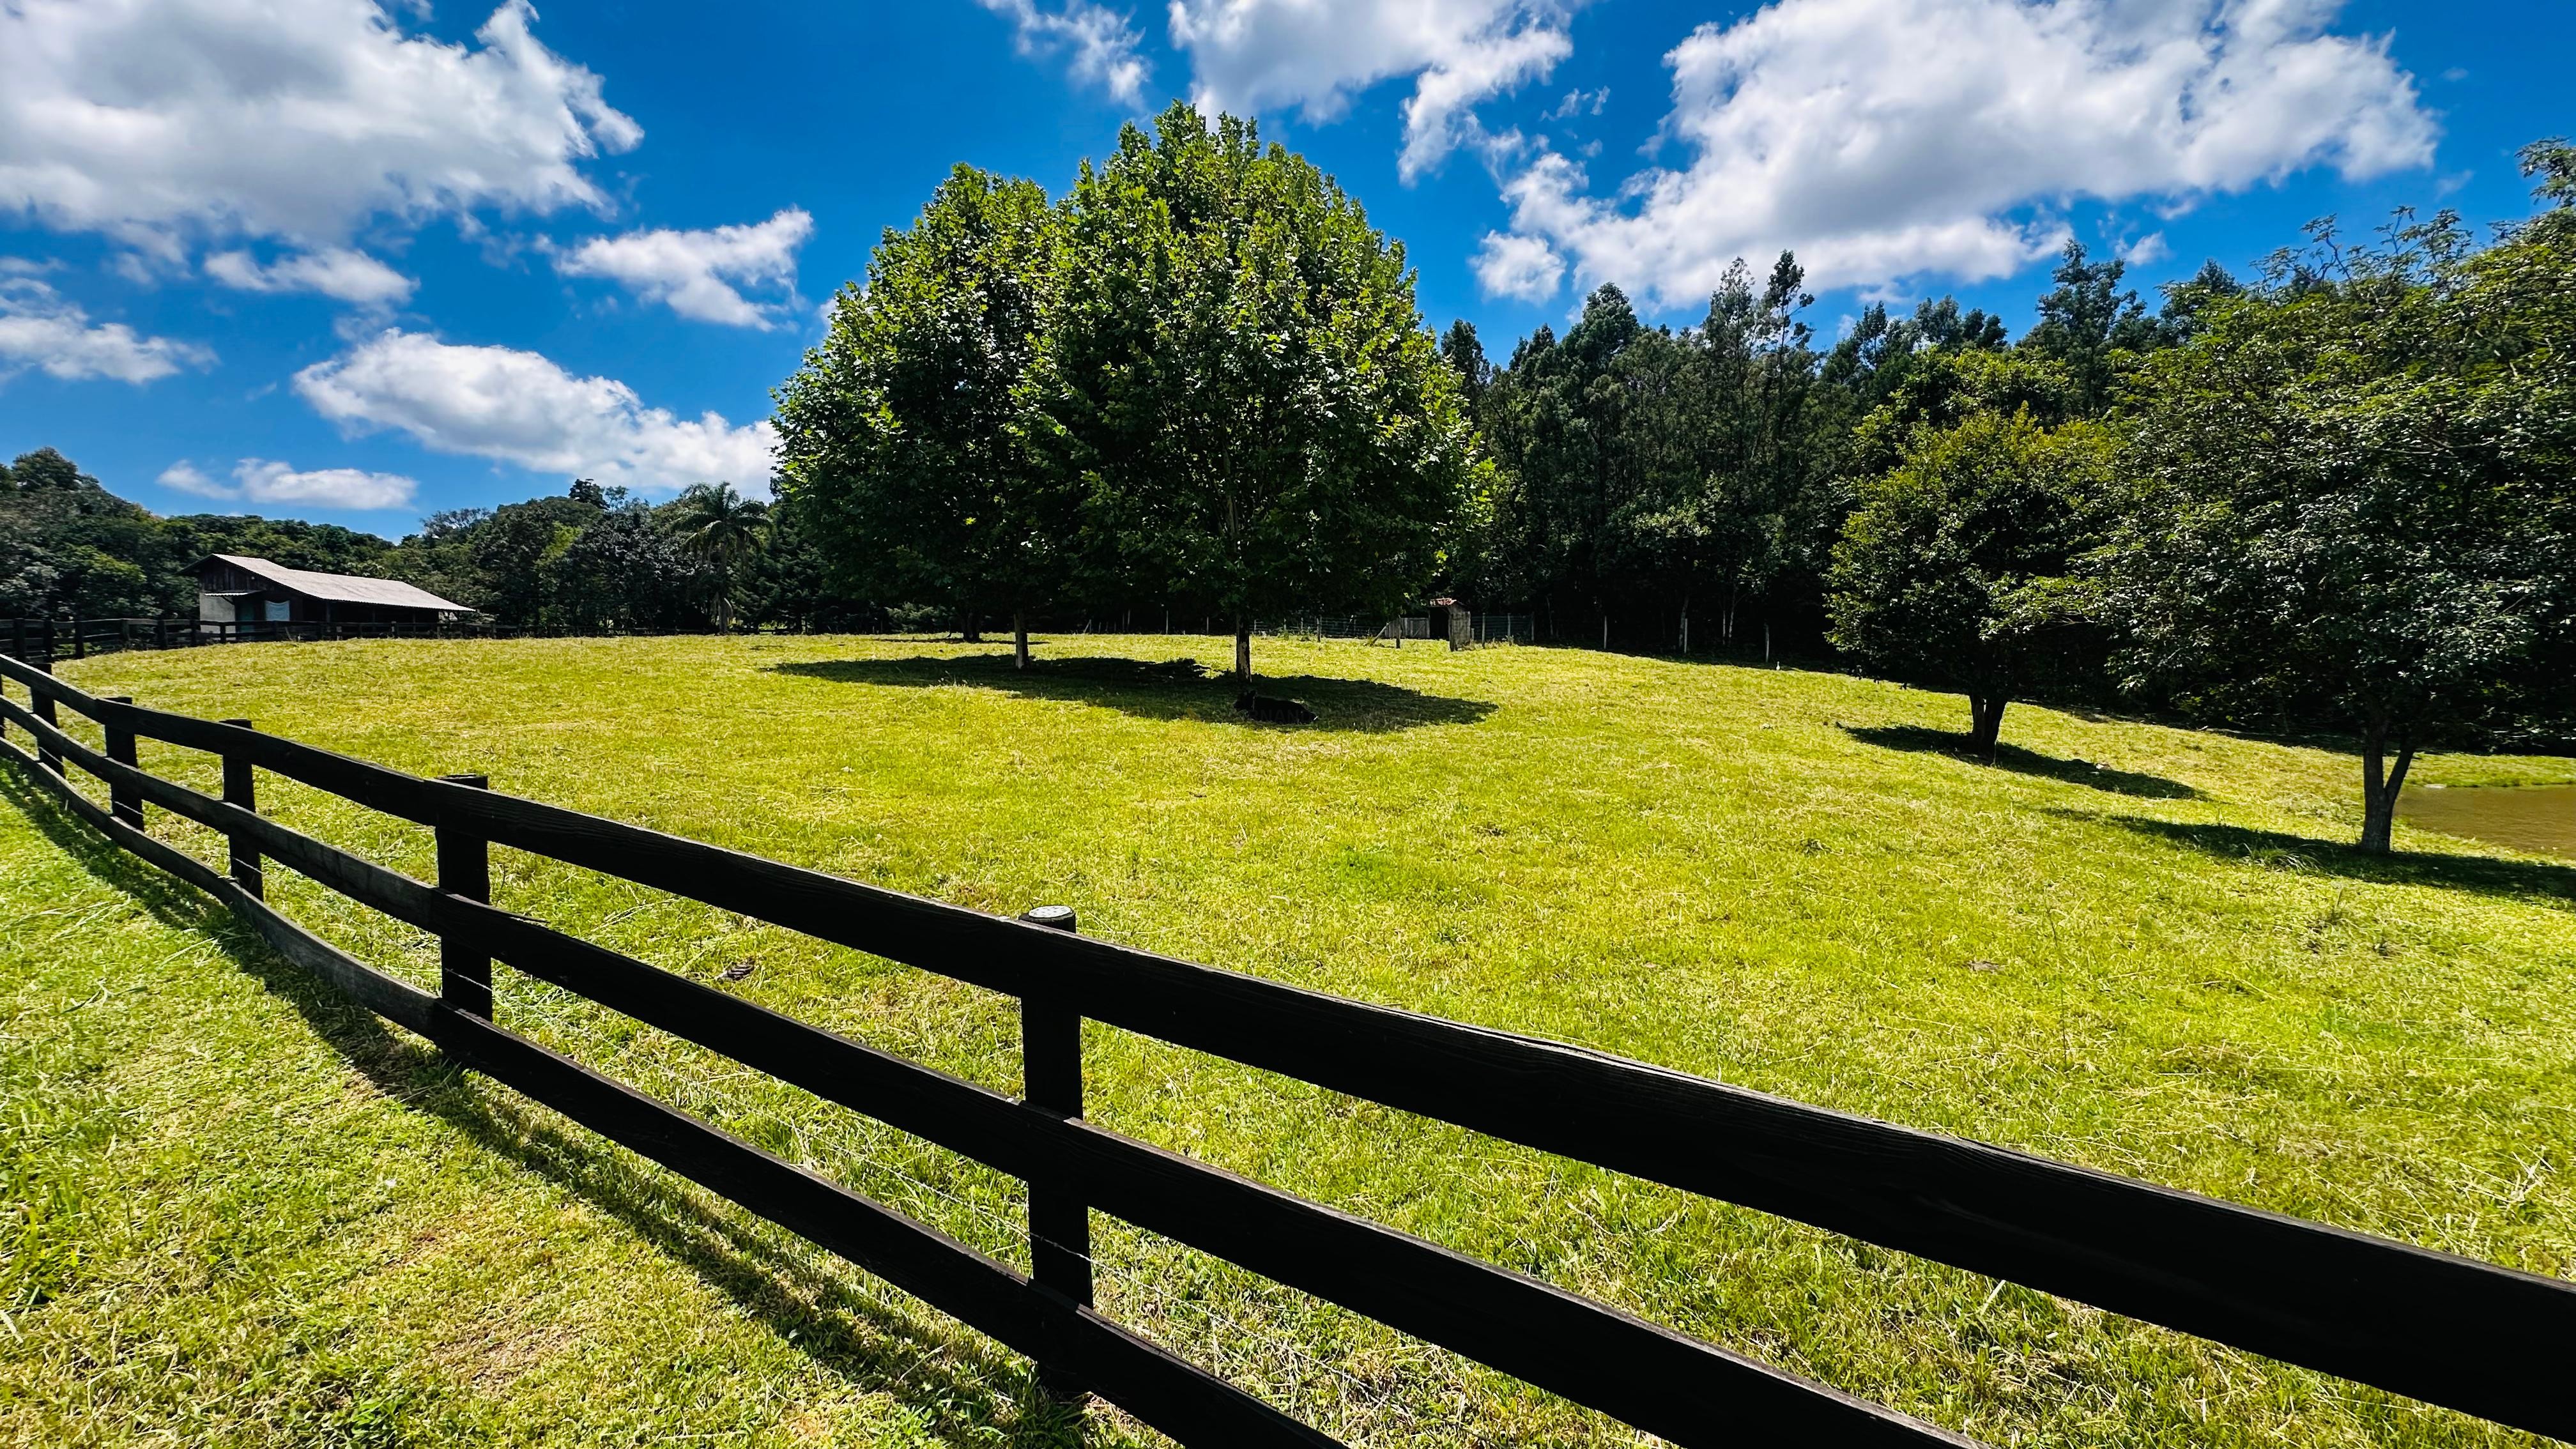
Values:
[(232, 589)]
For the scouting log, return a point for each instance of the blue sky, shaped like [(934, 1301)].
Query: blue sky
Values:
[(342, 261)]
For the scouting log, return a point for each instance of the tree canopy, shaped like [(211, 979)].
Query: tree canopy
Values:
[(1955, 570), (1237, 374), (2353, 499), (910, 434)]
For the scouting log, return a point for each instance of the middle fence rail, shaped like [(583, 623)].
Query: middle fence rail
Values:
[(2452, 1331)]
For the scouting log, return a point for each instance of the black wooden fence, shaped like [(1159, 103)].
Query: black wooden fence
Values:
[(2468, 1335), (74, 638)]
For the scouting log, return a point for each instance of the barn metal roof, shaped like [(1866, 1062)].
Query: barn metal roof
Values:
[(339, 588)]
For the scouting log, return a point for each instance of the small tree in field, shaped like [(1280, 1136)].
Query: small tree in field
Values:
[(2350, 498), (1953, 572), (1239, 376), (905, 437)]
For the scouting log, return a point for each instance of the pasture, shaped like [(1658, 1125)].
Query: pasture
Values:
[(244, 1214)]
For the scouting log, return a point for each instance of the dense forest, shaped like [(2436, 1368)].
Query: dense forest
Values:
[(1684, 489)]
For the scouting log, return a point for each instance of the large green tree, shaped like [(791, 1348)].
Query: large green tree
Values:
[(1240, 379), (2353, 498), (906, 438), (1954, 572)]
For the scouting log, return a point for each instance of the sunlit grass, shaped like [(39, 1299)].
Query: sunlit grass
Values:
[(2138, 948)]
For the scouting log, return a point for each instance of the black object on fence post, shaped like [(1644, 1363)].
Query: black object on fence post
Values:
[(124, 802), (465, 869), (1051, 1080), (239, 790)]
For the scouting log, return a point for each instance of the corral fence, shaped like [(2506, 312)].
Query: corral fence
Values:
[(74, 638), (1481, 628), (2471, 1336)]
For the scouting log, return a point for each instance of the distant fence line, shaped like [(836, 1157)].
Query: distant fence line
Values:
[(76, 638), (1481, 629), (2451, 1331)]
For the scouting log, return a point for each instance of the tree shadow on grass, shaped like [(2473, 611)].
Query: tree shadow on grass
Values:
[(2024, 762), (1174, 689), (973, 1394), (2276, 850)]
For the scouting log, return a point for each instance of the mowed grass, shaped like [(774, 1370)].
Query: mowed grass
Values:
[(2143, 949)]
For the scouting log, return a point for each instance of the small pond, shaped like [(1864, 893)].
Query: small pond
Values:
[(2537, 818)]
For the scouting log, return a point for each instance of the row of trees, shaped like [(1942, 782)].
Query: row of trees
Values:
[(1684, 488), (1199, 381), (593, 559), (600, 559), (2343, 497)]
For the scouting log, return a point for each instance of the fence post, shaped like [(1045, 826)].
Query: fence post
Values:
[(80, 646), (1051, 1080), (240, 790), (44, 706), (464, 869), (123, 802)]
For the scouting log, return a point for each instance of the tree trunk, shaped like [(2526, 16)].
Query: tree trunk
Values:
[(1020, 638), (2382, 783), (1243, 651), (971, 625), (1985, 722)]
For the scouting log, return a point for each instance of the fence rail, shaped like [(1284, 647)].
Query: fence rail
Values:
[(2468, 1335), (72, 638)]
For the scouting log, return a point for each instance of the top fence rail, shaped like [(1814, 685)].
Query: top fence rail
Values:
[(2452, 1331)]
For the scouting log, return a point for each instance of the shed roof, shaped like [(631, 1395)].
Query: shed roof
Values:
[(339, 588)]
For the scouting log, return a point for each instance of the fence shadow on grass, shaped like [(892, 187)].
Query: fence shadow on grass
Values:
[(2278, 850), (2023, 761), (974, 1396), (1159, 689)]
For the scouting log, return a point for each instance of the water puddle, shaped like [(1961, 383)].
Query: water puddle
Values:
[(2537, 818)]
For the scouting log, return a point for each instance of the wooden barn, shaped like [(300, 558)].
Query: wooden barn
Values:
[(232, 589)]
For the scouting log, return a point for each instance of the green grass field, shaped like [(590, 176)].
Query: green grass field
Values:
[(242, 1214)]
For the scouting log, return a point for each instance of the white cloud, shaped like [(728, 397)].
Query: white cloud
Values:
[(258, 480), (520, 408), (41, 328), (1580, 102), (1898, 138), (697, 272), (1315, 54), (337, 272), (2146, 250), (156, 120), (1525, 267), (1101, 42)]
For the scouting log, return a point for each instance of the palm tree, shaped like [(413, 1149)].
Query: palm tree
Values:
[(719, 528)]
